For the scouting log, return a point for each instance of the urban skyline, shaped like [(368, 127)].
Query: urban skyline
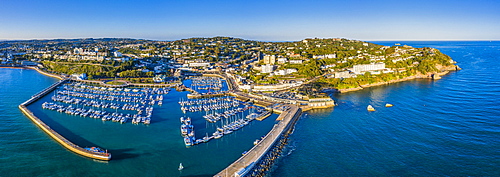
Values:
[(256, 20)]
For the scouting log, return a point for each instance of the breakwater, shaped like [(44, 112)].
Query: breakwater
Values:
[(256, 159), (94, 153)]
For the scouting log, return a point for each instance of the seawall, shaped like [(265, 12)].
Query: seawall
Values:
[(249, 161)]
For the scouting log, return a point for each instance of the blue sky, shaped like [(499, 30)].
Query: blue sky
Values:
[(258, 20)]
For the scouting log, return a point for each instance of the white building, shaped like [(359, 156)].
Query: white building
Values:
[(282, 60), (267, 68), (275, 87), (245, 87), (342, 74), (82, 76), (117, 54), (77, 51), (296, 61), (325, 56), (328, 66), (361, 69), (321, 102), (199, 64), (285, 71)]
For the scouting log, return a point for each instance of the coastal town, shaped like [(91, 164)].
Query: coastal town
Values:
[(166, 88), (231, 81), (307, 68)]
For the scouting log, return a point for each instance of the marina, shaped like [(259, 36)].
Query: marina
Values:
[(224, 114), (209, 104), (206, 83), (92, 152), (108, 104)]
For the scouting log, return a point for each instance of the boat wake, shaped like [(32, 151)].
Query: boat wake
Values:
[(289, 149)]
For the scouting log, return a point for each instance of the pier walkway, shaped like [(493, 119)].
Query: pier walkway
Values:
[(247, 162), (44, 92)]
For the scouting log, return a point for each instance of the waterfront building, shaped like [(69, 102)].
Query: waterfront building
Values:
[(321, 102)]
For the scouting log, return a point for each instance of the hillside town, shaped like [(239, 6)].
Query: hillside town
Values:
[(307, 67)]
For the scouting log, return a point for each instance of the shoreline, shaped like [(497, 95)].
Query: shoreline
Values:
[(88, 81), (36, 69), (428, 76)]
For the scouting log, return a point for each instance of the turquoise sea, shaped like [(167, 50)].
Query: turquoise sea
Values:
[(447, 127), (137, 150)]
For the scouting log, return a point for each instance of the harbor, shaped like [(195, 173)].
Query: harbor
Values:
[(256, 160), (224, 112), (426, 134)]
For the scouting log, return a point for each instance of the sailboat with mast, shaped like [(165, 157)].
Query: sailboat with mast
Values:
[(180, 167)]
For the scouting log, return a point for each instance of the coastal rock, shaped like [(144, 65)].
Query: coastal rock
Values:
[(435, 77)]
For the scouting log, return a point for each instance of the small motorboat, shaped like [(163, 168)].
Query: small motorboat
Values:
[(181, 167)]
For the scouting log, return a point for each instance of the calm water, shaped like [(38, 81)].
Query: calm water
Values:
[(138, 150), (448, 127)]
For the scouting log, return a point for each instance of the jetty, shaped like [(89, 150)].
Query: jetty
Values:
[(250, 160), (93, 152)]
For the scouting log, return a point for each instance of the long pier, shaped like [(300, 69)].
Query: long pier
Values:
[(252, 158), (56, 136)]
